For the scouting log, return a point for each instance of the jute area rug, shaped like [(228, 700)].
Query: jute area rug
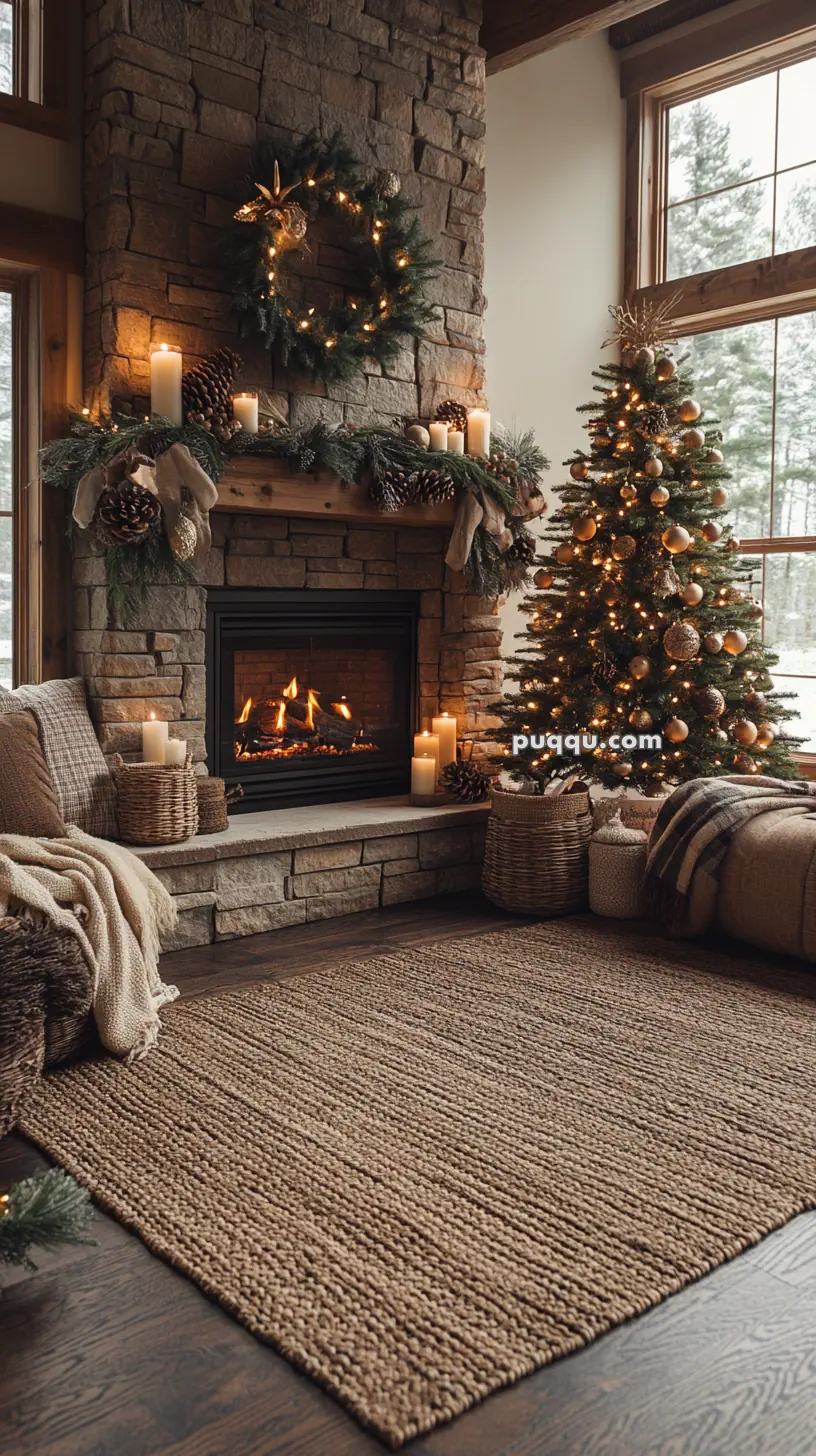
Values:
[(423, 1176)]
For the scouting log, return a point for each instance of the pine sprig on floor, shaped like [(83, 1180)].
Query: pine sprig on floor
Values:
[(43, 1212)]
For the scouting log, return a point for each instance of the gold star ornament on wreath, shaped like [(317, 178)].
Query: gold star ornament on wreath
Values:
[(291, 190)]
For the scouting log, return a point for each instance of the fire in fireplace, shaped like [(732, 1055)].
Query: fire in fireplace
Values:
[(294, 723), (311, 694)]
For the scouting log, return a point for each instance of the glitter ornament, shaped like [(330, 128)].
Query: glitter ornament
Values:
[(713, 642), (623, 547), (640, 718), (681, 642), (660, 496), (709, 702), (757, 702), (183, 538)]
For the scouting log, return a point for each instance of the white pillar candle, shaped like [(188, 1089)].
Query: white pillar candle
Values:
[(427, 744), (438, 432), (175, 751), (478, 432), (423, 775), (165, 383), (245, 410), (456, 442), (154, 740), (445, 729)]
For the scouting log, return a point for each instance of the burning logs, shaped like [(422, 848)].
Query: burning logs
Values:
[(295, 722)]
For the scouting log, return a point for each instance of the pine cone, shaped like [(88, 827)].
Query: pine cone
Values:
[(431, 487), (523, 550), (466, 781), (206, 392), (393, 488), (453, 414), (503, 466), (652, 421), (306, 459), (126, 514)]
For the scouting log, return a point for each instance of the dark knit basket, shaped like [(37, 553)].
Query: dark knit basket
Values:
[(45, 1004)]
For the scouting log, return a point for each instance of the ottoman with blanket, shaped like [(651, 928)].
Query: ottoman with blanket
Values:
[(738, 853)]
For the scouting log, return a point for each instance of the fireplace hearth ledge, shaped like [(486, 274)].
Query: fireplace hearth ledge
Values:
[(289, 866)]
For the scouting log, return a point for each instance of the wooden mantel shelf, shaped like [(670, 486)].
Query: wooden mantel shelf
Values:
[(252, 483)]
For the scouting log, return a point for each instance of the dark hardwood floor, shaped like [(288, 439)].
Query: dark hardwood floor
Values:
[(105, 1351)]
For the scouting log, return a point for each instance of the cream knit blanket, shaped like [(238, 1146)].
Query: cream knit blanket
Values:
[(117, 909)]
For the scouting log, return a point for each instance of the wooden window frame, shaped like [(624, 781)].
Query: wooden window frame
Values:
[(652, 81), (40, 101), (25, 496)]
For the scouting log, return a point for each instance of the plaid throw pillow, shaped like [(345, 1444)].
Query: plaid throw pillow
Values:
[(85, 788)]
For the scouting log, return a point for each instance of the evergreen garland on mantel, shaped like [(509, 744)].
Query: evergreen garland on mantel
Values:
[(371, 456)]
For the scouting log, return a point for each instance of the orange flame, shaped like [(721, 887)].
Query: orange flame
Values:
[(343, 709), (292, 690), (281, 718), (245, 711), (311, 704)]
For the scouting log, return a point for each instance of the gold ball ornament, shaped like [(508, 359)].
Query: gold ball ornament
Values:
[(714, 456), (566, 553), (709, 702), (654, 467), (693, 439), (676, 539), (756, 701), (584, 528), (745, 732), (579, 469), (183, 539), (419, 436), (735, 642), (623, 770), (689, 411), (660, 495), (719, 496), (765, 735), (665, 368), (611, 594), (628, 492), (713, 642), (734, 544), (645, 355), (712, 530), (757, 610), (681, 642), (691, 594), (543, 580), (640, 667), (676, 730), (640, 718), (623, 547)]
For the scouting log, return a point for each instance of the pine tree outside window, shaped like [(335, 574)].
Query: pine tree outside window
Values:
[(7, 458), (721, 209)]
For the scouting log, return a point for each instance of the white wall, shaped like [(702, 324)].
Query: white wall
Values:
[(554, 242)]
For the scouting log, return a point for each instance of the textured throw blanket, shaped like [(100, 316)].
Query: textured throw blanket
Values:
[(116, 908), (692, 834)]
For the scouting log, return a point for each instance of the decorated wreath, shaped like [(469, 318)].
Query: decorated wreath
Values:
[(293, 188)]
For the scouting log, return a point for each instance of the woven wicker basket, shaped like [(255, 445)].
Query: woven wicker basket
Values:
[(536, 859), (156, 803), (212, 805)]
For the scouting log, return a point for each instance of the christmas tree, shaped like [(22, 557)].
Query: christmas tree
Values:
[(643, 624)]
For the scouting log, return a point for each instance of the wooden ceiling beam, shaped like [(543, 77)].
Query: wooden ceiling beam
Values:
[(514, 30)]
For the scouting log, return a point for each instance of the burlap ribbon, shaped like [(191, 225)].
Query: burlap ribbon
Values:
[(174, 476)]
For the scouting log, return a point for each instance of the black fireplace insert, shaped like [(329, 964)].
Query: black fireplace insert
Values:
[(311, 695)]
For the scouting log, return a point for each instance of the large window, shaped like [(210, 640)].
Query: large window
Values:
[(721, 216), (7, 471), (7, 48)]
